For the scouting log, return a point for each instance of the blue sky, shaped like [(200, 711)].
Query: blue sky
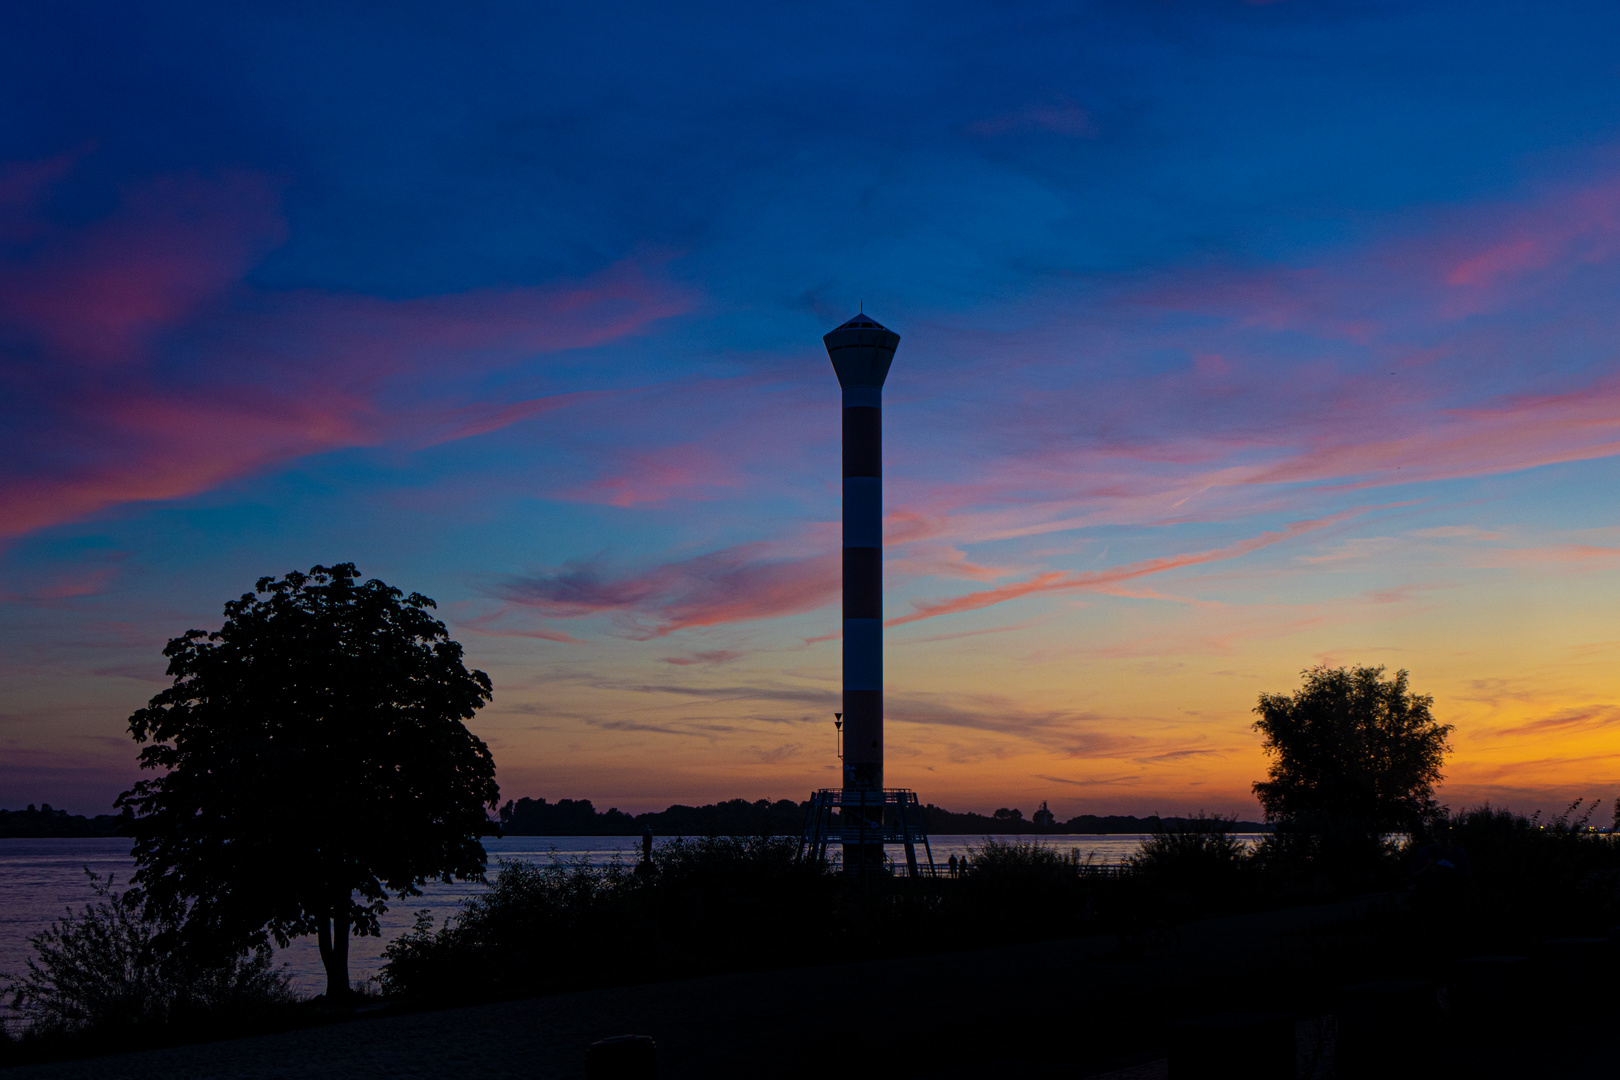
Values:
[(1236, 338)]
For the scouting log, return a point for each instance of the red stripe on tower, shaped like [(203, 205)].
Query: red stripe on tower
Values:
[(861, 352)]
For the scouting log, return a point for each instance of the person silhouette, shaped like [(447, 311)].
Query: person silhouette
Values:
[(952, 865), (645, 868)]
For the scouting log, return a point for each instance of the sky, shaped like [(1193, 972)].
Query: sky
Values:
[(1237, 338)]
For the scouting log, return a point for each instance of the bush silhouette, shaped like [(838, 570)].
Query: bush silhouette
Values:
[(1535, 877), (713, 903), (100, 972), (1194, 863)]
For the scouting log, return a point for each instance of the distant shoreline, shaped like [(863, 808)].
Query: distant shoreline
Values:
[(784, 817), (44, 823), (734, 817)]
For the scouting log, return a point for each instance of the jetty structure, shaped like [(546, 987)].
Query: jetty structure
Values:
[(868, 815)]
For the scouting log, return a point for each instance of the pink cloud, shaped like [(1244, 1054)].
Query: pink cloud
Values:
[(159, 449), (1458, 262), (373, 338), (1566, 721), (51, 589), (267, 376), (1573, 227), (488, 626), (1519, 432), (23, 185), (708, 657), (1418, 357), (1580, 556), (922, 559), (1059, 581), (972, 633), (738, 584), (686, 472), (1061, 117), (96, 295)]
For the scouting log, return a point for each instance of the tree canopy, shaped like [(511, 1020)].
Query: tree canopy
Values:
[(1350, 748), (315, 762)]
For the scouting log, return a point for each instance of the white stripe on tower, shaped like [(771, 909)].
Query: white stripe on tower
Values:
[(861, 352)]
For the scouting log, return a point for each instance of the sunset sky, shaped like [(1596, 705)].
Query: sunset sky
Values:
[(1236, 338)]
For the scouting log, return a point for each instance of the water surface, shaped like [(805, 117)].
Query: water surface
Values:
[(40, 879)]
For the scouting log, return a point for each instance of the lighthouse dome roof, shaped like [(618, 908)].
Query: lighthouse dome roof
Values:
[(861, 351)]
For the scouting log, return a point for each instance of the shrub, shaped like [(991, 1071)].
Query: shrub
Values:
[(1022, 864), (730, 902), (1194, 863), (1017, 890), (99, 972), (712, 904), (1533, 878), (523, 933)]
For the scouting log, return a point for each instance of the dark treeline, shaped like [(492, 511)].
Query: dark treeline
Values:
[(734, 817), (784, 817), (43, 821), (577, 817)]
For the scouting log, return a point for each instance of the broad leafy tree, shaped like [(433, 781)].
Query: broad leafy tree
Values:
[(314, 761), (1352, 753)]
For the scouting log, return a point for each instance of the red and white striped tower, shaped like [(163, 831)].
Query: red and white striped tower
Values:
[(861, 352)]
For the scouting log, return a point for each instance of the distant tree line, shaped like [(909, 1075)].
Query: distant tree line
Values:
[(577, 817), (1011, 821), (784, 817), (43, 821)]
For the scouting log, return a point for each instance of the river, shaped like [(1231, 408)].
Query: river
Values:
[(40, 879)]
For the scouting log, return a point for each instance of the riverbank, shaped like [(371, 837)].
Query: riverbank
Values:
[(1057, 1004), (1074, 1004), (1057, 1008), (42, 878)]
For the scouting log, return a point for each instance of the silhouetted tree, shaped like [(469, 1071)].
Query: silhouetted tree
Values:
[(316, 761), (1354, 755)]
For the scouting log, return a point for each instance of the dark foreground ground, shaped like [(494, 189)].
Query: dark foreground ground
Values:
[(1046, 1009)]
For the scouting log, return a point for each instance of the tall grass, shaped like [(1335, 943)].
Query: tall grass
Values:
[(713, 903), (99, 974), (1194, 850), (1535, 877), (738, 903), (1196, 865)]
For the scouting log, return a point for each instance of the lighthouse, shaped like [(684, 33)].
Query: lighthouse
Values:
[(861, 351)]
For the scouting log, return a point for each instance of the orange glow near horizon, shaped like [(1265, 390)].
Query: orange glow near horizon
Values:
[(1215, 366)]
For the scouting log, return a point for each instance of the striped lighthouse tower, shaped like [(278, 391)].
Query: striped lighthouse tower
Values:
[(861, 352)]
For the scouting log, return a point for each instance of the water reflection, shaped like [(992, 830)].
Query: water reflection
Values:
[(39, 879)]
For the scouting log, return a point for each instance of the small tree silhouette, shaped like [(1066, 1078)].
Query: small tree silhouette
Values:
[(1354, 756), (316, 761)]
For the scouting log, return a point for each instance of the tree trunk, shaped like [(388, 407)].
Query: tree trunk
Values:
[(333, 937)]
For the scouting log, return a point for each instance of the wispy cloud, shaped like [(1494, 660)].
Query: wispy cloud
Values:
[(707, 657), (141, 344), (1566, 721), (1056, 581), (738, 584), (1060, 116)]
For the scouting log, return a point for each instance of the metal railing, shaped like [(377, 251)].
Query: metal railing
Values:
[(867, 816)]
